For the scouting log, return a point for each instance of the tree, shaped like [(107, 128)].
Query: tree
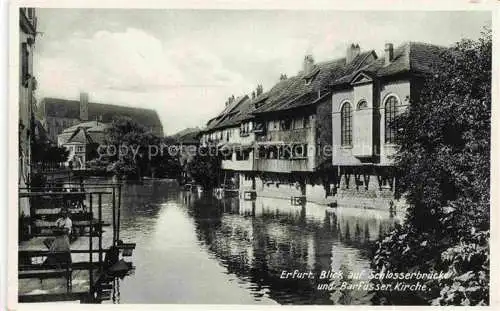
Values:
[(139, 152), (163, 163), (131, 142), (205, 168), (46, 155), (444, 163)]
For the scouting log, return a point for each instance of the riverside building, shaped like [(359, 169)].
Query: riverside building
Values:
[(323, 135)]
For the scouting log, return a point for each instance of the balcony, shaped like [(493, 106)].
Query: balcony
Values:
[(244, 165), (283, 166), (291, 135)]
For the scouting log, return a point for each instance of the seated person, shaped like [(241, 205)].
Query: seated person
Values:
[(61, 242)]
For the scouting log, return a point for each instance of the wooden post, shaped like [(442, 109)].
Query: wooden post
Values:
[(99, 227), (91, 276), (339, 176), (118, 212), (303, 186), (114, 216)]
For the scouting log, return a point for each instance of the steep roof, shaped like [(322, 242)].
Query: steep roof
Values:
[(289, 93), (189, 138), (85, 133), (63, 108), (410, 57), (305, 88), (79, 135), (230, 113), (90, 126)]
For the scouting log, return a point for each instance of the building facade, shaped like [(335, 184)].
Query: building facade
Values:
[(82, 141), (364, 107), (58, 114), (27, 87), (232, 131), (324, 134)]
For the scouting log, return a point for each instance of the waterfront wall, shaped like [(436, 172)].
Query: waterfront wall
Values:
[(349, 192)]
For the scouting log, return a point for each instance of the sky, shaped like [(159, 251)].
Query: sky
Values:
[(186, 63)]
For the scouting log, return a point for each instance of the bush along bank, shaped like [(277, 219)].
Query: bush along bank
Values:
[(444, 164)]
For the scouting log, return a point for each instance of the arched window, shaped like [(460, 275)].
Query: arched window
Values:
[(391, 109), (346, 125), (362, 105)]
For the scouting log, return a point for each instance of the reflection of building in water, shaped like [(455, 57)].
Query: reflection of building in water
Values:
[(257, 241)]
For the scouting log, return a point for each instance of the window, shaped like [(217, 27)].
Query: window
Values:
[(274, 125), (272, 152), (245, 129), (31, 13), (306, 121), (286, 124), (262, 152), (24, 62), (79, 149), (362, 105), (227, 154), (284, 152), (299, 151), (271, 125), (298, 123), (391, 106), (242, 155), (346, 125)]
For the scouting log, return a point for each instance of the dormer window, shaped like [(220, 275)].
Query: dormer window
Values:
[(309, 77)]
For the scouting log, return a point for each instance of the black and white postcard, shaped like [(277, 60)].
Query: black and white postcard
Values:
[(251, 154)]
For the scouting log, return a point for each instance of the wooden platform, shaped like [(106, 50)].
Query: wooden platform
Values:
[(84, 278), (54, 297)]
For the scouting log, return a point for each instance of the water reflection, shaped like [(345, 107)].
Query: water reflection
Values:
[(192, 248), (258, 240)]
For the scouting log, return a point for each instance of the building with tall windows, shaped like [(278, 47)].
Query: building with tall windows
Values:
[(364, 108), (328, 133)]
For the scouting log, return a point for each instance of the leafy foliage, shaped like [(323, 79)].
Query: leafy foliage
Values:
[(139, 152), (205, 168), (46, 154), (444, 165)]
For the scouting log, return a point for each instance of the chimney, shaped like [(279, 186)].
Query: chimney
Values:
[(353, 51), (389, 53), (84, 106), (308, 63)]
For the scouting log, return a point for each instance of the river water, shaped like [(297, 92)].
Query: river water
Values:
[(193, 248)]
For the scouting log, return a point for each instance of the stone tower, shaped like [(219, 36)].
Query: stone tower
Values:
[(84, 106)]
